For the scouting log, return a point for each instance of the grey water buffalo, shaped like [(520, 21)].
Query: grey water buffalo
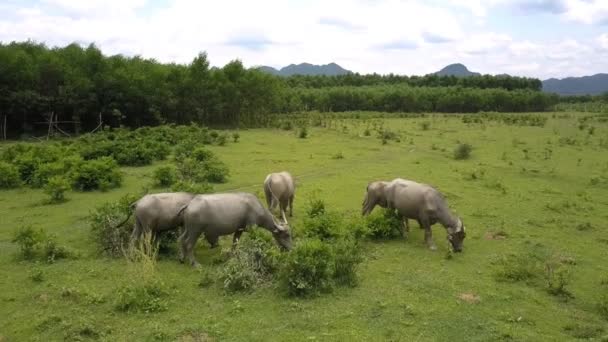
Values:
[(157, 213), (417, 201), (221, 214), (279, 188)]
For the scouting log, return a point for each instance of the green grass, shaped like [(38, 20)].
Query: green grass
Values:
[(531, 200)]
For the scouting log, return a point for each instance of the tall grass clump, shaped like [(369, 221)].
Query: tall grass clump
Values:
[(9, 176), (463, 151)]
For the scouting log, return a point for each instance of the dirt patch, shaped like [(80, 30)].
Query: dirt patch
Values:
[(500, 235), (195, 336), (470, 298)]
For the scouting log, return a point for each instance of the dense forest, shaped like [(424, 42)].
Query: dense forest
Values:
[(79, 87)]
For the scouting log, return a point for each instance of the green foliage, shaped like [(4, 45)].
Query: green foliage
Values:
[(165, 176), (145, 298), (55, 188), (384, 224), (96, 174), (425, 125), (235, 137), (253, 262), (104, 221), (348, 256), (315, 207), (9, 176), (192, 187), (303, 132), (36, 275), (323, 226), (222, 139), (462, 151), (28, 239), (308, 269)]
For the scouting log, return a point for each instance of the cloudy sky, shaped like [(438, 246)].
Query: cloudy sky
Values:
[(539, 38)]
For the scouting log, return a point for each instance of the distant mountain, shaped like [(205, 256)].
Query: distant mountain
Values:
[(457, 69), (586, 85), (331, 69)]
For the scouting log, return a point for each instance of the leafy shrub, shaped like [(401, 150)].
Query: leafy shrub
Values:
[(557, 276), (367, 132), (111, 238), (102, 174), (214, 134), (36, 275), (165, 176), (235, 137), (46, 171), (303, 133), (425, 125), (323, 226), (462, 151), (287, 125), (252, 263), (315, 207), (216, 171), (202, 154), (28, 240), (146, 298), (348, 256), (518, 267), (222, 139), (192, 187), (9, 176), (53, 251), (308, 269), (56, 188), (384, 225)]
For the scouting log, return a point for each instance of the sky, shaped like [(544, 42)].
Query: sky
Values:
[(535, 38)]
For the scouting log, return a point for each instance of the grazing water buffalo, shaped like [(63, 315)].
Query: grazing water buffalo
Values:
[(417, 201), (158, 212), (224, 214), (279, 188)]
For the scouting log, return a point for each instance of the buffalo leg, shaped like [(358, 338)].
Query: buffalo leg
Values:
[(236, 237), (291, 206), (213, 240), (188, 243), (428, 235)]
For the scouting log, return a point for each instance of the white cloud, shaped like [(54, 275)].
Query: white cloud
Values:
[(602, 41), (406, 37), (587, 11)]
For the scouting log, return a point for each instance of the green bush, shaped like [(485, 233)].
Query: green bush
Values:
[(425, 125), (253, 262), (102, 174), (9, 176), (147, 298), (28, 241), (165, 176), (462, 151), (315, 207), (235, 137), (192, 187), (56, 188), (53, 251), (104, 221), (347, 258), (386, 224), (202, 154), (303, 133), (324, 226), (308, 269), (216, 171), (222, 139), (44, 172)]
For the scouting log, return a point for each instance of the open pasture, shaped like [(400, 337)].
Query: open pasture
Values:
[(533, 195)]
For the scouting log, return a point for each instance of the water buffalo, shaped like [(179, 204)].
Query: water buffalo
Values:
[(279, 188), (417, 201), (158, 212), (221, 214)]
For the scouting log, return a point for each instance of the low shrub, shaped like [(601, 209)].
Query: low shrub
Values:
[(522, 267), (462, 151), (165, 176), (192, 187), (252, 263), (9, 176), (287, 125), (104, 221), (102, 174), (53, 251), (308, 269), (222, 139), (146, 298), (323, 226), (55, 188), (28, 239), (425, 125), (303, 133), (216, 171), (235, 137), (348, 256), (386, 224), (315, 207)]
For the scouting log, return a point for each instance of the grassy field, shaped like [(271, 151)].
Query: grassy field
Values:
[(525, 192)]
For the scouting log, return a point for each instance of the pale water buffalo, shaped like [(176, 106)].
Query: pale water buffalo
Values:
[(417, 201), (279, 188), (221, 214), (158, 212)]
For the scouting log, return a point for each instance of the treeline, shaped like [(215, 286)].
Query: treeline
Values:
[(78, 86), (357, 80)]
